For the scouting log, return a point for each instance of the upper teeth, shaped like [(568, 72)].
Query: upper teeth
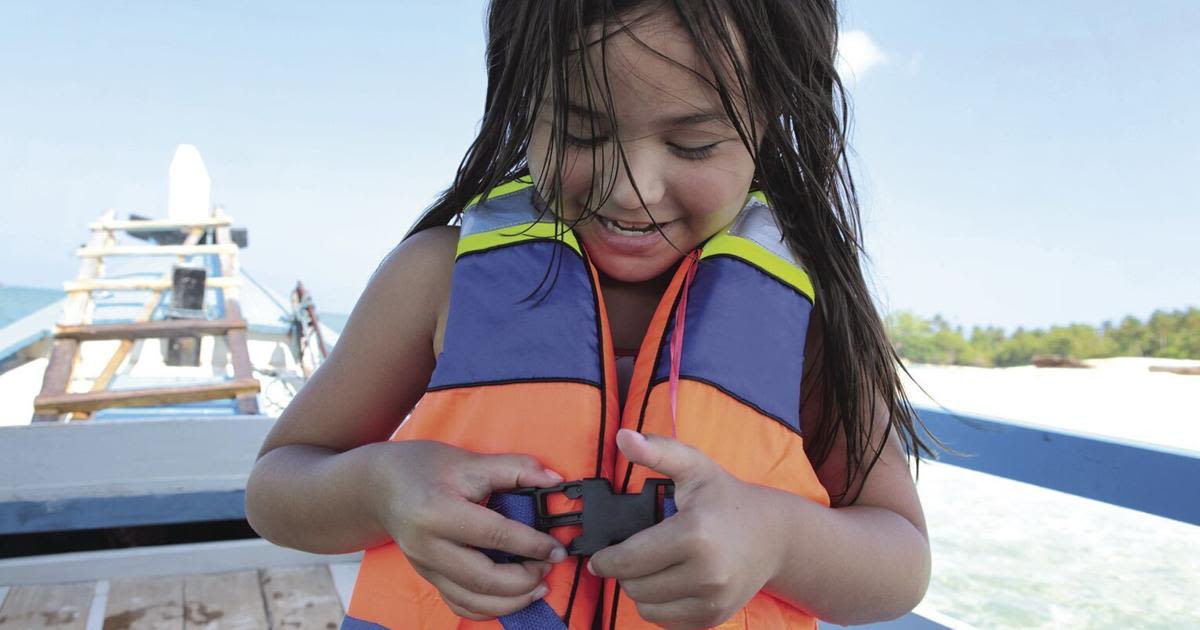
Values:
[(617, 226)]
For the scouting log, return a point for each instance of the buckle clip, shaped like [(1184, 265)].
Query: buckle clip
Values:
[(607, 517)]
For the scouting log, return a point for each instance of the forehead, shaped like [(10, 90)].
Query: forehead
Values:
[(649, 64)]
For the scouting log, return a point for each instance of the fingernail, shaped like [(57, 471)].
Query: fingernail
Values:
[(553, 475), (541, 591), (637, 436), (558, 555), (590, 569)]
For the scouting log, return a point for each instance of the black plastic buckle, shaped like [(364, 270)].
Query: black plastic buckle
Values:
[(607, 518)]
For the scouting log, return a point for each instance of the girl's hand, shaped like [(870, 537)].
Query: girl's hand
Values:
[(700, 566), (428, 500)]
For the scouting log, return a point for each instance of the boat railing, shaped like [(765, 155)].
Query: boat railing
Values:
[(1148, 478)]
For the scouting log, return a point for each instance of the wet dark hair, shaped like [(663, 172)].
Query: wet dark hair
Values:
[(777, 57)]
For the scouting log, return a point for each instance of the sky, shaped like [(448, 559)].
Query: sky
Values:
[(1020, 164)]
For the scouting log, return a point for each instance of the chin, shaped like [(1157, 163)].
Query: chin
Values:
[(634, 270)]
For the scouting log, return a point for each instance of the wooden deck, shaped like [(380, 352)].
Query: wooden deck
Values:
[(242, 585), (313, 596)]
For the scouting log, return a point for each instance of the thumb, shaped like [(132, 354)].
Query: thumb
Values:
[(508, 472), (672, 458)]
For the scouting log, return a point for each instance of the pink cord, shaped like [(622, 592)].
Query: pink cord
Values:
[(677, 339)]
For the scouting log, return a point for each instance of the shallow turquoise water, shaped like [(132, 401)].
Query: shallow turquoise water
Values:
[(1013, 555)]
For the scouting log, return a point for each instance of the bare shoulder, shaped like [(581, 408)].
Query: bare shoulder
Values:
[(384, 357)]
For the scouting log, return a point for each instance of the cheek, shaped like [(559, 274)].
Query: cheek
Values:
[(712, 196)]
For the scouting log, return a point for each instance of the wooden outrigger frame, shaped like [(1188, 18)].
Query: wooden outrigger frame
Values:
[(54, 401)]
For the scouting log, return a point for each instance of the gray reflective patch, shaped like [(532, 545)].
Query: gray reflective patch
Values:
[(515, 208), (757, 223)]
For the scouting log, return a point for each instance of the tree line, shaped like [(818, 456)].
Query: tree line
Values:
[(1167, 334)]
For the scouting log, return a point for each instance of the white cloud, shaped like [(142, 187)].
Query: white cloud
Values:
[(857, 54)]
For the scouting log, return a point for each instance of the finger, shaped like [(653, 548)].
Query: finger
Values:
[(489, 473), (480, 527), (672, 458), (675, 582), (690, 612), (475, 572), (645, 553), (478, 606)]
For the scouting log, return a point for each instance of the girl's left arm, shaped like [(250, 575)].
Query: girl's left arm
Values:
[(859, 563), (730, 539)]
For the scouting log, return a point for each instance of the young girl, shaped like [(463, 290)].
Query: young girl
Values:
[(656, 276)]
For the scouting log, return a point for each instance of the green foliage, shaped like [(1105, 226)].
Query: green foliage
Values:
[(1168, 334)]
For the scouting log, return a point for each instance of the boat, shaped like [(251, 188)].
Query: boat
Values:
[(1046, 468), (132, 404)]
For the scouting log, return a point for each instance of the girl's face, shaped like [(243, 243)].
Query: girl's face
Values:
[(682, 151)]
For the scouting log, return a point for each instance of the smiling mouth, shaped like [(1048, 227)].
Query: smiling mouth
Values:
[(629, 229)]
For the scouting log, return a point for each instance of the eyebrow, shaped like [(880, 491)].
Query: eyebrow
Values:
[(695, 118)]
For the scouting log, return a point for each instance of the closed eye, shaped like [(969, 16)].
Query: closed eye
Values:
[(693, 153), (585, 142)]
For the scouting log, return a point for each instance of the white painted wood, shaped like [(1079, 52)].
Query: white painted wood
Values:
[(189, 190), (57, 606), (142, 285), (145, 603), (159, 224), (3, 594), (95, 618), (301, 597), (76, 309), (154, 250), (129, 458), (189, 559), (230, 601), (948, 622), (344, 576)]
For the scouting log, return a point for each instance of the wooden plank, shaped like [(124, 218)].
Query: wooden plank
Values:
[(154, 250), (160, 560), (58, 606), (149, 330), (148, 603), (57, 376), (162, 455), (76, 310), (145, 284), (158, 224), (126, 346), (301, 597), (239, 353), (227, 601), (143, 397)]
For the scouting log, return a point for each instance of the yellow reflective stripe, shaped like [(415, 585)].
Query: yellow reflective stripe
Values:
[(517, 233), (504, 189), (761, 257)]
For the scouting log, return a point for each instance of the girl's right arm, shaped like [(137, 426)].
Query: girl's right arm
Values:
[(328, 481)]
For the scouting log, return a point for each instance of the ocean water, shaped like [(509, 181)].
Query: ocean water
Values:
[(1012, 555)]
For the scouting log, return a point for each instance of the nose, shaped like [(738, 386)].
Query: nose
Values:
[(644, 169)]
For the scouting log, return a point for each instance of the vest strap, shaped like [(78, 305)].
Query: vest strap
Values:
[(538, 615)]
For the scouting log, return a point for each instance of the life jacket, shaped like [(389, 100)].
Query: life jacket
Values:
[(528, 367)]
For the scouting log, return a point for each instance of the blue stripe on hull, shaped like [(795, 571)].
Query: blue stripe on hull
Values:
[(352, 623), (502, 327), (744, 334)]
